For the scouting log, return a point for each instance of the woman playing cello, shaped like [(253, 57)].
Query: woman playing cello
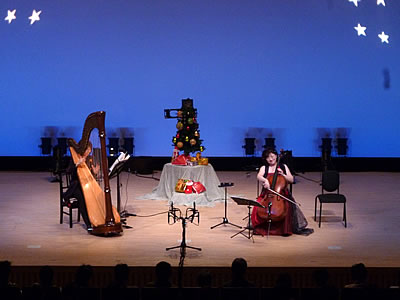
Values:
[(291, 220)]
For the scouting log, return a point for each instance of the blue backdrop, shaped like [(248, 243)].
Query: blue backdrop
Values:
[(294, 69)]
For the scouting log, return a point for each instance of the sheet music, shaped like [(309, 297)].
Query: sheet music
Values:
[(124, 156)]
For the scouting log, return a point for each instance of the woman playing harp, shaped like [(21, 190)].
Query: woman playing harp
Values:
[(103, 217)]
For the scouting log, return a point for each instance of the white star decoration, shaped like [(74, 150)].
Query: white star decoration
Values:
[(384, 38), (380, 2), (35, 16), (360, 30), (355, 2), (10, 16)]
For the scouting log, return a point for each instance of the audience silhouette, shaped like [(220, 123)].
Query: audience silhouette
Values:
[(162, 288), (358, 276), (80, 287), (8, 290), (204, 279), (121, 276), (238, 270), (163, 274)]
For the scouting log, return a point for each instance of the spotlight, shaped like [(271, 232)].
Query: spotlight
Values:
[(113, 146), (249, 146), (46, 145), (269, 143), (326, 149), (128, 145), (62, 145), (341, 146)]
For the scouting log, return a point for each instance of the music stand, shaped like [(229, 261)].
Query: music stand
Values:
[(249, 203), (116, 170), (225, 218)]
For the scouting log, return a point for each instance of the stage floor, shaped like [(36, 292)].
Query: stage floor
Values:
[(32, 236)]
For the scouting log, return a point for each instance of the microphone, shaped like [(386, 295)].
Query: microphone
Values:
[(269, 211)]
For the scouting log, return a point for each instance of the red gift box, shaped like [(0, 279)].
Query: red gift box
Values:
[(181, 160), (198, 187)]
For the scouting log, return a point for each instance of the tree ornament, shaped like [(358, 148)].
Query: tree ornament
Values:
[(187, 128), (196, 133), (174, 140), (192, 142), (190, 121), (179, 125), (201, 148), (179, 114), (179, 145), (187, 139)]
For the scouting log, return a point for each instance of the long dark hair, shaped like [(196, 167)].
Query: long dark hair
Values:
[(267, 152)]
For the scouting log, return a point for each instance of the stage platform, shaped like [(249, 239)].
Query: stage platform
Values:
[(31, 235)]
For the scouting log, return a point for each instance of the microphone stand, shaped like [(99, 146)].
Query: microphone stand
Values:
[(172, 215)]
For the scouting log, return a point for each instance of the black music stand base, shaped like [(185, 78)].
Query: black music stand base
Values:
[(225, 221), (225, 218), (250, 233)]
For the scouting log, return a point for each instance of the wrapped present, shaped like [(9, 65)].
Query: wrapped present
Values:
[(180, 185), (198, 187), (181, 160), (192, 161), (203, 161), (189, 187)]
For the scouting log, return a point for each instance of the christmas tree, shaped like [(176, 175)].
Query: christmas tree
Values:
[(187, 138)]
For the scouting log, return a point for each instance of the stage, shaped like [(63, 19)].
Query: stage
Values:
[(32, 236)]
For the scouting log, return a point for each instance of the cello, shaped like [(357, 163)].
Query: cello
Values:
[(273, 200)]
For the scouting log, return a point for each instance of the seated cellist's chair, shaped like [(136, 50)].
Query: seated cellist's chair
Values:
[(68, 202), (330, 184)]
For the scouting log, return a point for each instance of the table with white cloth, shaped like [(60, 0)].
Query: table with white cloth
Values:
[(202, 173)]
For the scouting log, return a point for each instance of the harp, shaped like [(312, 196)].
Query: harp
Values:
[(103, 216)]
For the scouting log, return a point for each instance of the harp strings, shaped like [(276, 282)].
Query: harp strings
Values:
[(96, 166)]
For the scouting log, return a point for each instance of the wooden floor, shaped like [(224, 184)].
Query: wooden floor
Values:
[(32, 236)]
